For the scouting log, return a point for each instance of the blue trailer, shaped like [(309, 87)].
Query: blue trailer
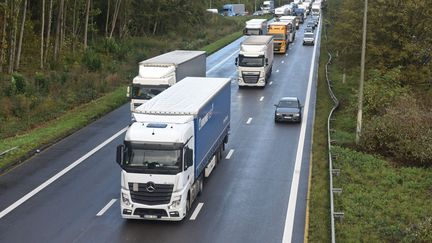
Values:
[(176, 140)]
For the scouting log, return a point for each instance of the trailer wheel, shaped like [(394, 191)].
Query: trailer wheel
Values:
[(201, 186)]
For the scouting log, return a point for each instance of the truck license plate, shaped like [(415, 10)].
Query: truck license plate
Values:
[(150, 216)]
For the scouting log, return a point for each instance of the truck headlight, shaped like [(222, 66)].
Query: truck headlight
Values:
[(176, 203), (297, 114), (125, 199), (278, 114)]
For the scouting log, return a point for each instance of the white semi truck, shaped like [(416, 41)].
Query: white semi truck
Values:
[(255, 60), (256, 27), (291, 20), (267, 7), (158, 73), (176, 140)]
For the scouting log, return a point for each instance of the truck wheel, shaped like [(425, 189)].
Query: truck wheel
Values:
[(201, 186), (188, 205)]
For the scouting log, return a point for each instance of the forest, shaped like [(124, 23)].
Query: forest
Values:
[(57, 55), (398, 82)]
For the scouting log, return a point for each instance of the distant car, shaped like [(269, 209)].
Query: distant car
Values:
[(308, 30), (311, 24), (315, 19), (288, 109), (308, 38)]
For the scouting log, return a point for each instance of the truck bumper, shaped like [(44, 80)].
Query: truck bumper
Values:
[(260, 83), (166, 212)]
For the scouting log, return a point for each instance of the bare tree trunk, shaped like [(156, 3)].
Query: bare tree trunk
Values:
[(63, 25), (74, 26), (86, 23), (107, 19), (42, 35), (58, 30), (12, 37), (48, 31), (3, 39), (113, 22), (18, 57)]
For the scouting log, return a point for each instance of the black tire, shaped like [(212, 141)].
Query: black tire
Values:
[(201, 186), (188, 205)]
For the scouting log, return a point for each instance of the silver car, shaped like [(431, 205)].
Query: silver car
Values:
[(308, 39), (288, 109)]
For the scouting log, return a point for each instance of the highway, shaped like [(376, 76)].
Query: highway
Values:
[(70, 191)]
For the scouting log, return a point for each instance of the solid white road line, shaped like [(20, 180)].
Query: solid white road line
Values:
[(196, 211), (104, 209), (262, 98), (230, 153), (221, 62), (59, 174), (249, 120), (289, 220)]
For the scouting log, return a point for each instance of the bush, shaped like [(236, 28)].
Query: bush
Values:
[(18, 82), (41, 82), (404, 132), (92, 60)]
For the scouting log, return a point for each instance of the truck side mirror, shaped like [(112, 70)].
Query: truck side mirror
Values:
[(128, 89), (236, 61), (188, 157), (120, 154)]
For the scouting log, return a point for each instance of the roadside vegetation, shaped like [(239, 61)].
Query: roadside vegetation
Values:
[(387, 178), (77, 57)]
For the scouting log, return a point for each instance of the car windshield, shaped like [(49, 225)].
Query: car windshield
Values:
[(251, 61), (146, 92), (308, 35), (288, 104), (154, 159)]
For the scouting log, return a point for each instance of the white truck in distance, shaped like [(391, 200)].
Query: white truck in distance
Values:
[(291, 20), (158, 73), (316, 8), (256, 27), (255, 60), (267, 7), (176, 141)]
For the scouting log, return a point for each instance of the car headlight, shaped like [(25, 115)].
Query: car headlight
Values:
[(176, 203), (125, 199)]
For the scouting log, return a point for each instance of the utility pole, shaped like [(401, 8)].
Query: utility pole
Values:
[(360, 96)]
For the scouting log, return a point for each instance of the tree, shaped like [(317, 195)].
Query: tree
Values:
[(42, 36), (18, 56), (86, 23), (48, 31), (3, 38), (59, 25), (113, 22)]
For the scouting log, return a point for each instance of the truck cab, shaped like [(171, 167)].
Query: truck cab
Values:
[(255, 27), (279, 30), (255, 61)]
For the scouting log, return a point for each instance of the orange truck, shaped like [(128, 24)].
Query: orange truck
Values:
[(279, 30)]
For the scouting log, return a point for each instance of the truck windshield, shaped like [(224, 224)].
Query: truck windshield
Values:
[(153, 159), (279, 37), (308, 35), (251, 61), (146, 92), (252, 32)]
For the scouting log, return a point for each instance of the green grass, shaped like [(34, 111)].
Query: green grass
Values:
[(59, 128), (28, 141), (381, 202), (319, 208), (215, 46)]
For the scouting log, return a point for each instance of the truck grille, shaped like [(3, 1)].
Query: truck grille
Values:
[(277, 46), (160, 195), (153, 212), (250, 78)]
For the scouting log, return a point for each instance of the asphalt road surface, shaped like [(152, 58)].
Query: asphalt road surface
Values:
[(70, 191)]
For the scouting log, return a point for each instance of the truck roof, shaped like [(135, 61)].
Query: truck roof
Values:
[(257, 40), (174, 57), (279, 23), (185, 97), (256, 21)]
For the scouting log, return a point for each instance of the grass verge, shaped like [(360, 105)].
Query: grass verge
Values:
[(54, 130)]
